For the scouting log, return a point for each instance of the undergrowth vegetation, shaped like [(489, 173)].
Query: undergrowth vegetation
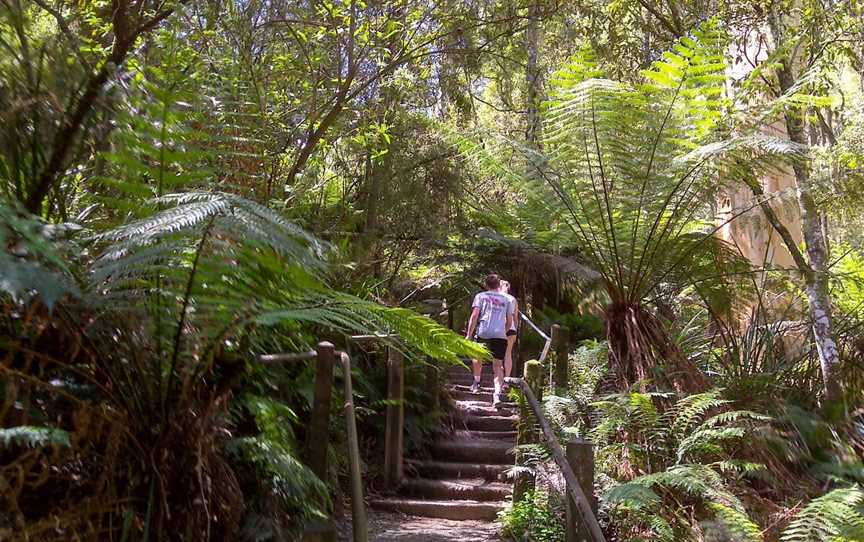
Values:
[(186, 185)]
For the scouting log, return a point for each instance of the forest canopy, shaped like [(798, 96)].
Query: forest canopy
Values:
[(189, 186)]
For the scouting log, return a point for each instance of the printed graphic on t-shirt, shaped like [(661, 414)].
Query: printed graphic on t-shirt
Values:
[(494, 308)]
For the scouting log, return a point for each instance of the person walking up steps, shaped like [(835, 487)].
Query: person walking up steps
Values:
[(511, 331), (491, 315)]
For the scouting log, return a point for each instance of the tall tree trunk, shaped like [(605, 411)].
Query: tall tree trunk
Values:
[(815, 270), (533, 82), (816, 278)]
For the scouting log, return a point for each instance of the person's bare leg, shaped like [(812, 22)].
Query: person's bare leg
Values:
[(498, 371), (478, 372), (508, 357)]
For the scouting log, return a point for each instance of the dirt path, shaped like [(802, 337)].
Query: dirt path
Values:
[(395, 527)]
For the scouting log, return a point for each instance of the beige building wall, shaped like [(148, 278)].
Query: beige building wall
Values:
[(750, 232)]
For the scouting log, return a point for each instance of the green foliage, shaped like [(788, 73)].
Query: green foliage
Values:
[(532, 518), (155, 150), (686, 457), (837, 515), (734, 523), (271, 467), (30, 262), (626, 177)]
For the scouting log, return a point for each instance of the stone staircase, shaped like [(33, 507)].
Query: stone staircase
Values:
[(463, 479)]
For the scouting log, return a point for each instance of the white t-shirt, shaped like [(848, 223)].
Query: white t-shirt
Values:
[(494, 308)]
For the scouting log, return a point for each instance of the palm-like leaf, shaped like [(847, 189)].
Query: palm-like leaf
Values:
[(210, 263), (627, 176)]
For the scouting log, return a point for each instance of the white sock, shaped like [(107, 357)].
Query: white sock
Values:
[(476, 379)]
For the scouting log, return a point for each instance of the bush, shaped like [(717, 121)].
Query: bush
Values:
[(536, 517)]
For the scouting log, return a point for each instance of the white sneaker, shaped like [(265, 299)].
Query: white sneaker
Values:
[(475, 387), (496, 398)]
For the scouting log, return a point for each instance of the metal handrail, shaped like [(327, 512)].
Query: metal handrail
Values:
[(573, 486), (548, 339), (273, 359)]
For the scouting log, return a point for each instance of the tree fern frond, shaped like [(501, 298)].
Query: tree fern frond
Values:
[(738, 526), (690, 409), (33, 437), (837, 515), (632, 495)]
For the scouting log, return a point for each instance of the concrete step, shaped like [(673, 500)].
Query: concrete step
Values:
[(483, 397), (467, 388), (474, 489), (465, 395), (452, 469), (465, 384), (473, 451), (456, 510), (497, 435), (487, 423), (482, 408)]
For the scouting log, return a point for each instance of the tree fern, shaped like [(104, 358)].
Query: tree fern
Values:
[(237, 262), (626, 177)]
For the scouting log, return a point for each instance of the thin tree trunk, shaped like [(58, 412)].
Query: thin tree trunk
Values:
[(815, 270), (74, 124), (816, 284)]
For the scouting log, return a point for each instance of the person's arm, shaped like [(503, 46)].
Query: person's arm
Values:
[(508, 322), (472, 322), (516, 318)]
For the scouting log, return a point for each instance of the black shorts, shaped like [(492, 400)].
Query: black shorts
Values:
[(498, 347)]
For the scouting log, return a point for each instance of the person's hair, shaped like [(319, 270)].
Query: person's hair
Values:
[(505, 285), (492, 282)]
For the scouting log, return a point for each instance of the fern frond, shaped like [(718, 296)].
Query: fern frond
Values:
[(33, 437), (689, 410), (837, 515), (738, 526), (632, 495)]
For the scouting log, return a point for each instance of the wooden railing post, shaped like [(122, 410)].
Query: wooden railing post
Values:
[(318, 438), (561, 347), (527, 434), (580, 456), (395, 424)]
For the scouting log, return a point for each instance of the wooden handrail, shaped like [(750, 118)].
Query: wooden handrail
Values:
[(358, 506), (374, 337), (573, 487), (545, 337), (319, 434), (273, 359)]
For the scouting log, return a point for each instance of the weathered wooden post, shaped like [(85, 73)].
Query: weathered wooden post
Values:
[(527, 434), (395, 418), (561, 347), (318, 438), (580, 456)]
